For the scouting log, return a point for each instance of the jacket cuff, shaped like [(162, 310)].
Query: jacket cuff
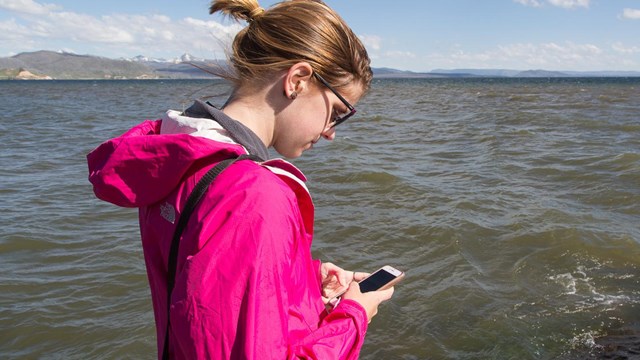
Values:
[(357, 312)]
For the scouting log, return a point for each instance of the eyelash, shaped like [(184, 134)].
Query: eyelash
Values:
[(335, 115)]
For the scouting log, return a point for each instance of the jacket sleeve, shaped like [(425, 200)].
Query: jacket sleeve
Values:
[(335, 338), (337, 335), (273, 305), (340, 335)]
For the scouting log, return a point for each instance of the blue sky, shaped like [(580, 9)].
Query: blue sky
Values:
[(417, 35)]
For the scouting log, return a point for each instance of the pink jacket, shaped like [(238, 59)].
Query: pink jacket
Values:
[(246, 285)]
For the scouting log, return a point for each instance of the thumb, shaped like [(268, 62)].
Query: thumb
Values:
[(384, 295), (354, 288)]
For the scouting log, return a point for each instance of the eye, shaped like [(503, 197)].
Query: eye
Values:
[(339, 113)]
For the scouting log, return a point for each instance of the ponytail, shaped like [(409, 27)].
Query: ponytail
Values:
[(290, 32), (247, 10)]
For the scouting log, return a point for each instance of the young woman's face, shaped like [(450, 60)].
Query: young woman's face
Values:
[(310, 117)]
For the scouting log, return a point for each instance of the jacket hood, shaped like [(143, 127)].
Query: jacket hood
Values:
[(144, 165)]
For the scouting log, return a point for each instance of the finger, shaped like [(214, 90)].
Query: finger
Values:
[(359, 276), (328, 267), (333, 269), (342, 277), (372, 315), (384, 295), (354, 289)]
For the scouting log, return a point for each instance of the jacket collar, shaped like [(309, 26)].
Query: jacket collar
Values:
[(238, 131)]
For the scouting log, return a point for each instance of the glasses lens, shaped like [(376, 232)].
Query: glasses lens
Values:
[(342, 118)]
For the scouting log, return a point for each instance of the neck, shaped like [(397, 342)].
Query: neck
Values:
[(256, 108)]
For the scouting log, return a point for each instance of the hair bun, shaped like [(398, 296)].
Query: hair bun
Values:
[(245, 10), (256, 13)]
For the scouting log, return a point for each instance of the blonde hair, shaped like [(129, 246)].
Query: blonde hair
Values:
[(290, 32)]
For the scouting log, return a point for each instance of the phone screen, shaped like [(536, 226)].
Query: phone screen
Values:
[(376, 281)]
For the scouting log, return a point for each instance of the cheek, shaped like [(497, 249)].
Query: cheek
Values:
[(322, 115), (311, 120), (321, 107)]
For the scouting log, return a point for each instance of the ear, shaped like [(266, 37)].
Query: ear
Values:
[(297, 78)]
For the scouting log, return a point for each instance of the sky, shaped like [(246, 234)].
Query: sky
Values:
[(414, 35)]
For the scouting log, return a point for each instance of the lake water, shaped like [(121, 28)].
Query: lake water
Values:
[(513, 205)]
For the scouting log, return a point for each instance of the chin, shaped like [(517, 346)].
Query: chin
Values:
[(290, 153), (294, 155)]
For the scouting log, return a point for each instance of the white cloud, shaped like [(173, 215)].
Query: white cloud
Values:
[(567, 4), (619, 47), (526, 56), (400, 54), (11, 30), (533, 3), (27, 7), (40, 26), (371, 42), (633, 14), (551, 54)]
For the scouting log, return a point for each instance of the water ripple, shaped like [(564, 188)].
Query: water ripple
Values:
[(511, 204)]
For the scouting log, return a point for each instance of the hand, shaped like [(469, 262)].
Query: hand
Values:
[(335, 280), (369, 300)]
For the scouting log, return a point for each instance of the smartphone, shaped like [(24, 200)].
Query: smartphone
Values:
[(381, 279)]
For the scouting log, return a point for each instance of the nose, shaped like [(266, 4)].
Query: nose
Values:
[(329, 134)]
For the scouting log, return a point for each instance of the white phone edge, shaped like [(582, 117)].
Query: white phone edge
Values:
[(391, 270)]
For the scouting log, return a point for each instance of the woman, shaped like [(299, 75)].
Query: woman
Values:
[(245, 282)]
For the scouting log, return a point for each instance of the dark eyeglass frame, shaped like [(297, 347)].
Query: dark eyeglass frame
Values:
[(339, 119)]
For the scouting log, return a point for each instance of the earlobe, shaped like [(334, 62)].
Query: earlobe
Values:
[(297, 79), (293, 93)]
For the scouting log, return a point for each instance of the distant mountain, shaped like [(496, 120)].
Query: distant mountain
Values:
[(603, 73), (184, 68), (479, 72), (62, 65), (59, 65), (534, 73), (394, 73), (143, 59), (541, 73)]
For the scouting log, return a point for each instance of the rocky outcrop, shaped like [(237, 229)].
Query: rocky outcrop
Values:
[(28, 75)]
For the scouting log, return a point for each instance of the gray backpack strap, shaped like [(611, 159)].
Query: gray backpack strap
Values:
[(195, 196)]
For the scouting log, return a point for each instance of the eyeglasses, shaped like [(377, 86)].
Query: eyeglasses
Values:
[(340, 118)]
